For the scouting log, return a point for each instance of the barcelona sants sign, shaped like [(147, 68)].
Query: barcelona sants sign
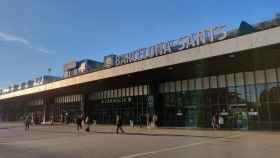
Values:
[(193, 40)]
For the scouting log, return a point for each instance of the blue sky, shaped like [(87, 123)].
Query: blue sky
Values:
[(39, 34)]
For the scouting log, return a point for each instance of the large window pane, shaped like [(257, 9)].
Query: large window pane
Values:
[(140, 90), (191, 84), (206, 83), (178, 86), (213, 82), (185, 85), (123, 92), (222, 81), (145, 89), (251, 94), (260, 78), (119, 92), (136, 91), (70, 98), (115, 93), (131, 91), (172, 86), (198, 83), (232, 95), (230, 80), (240, 90), (239, 79), (106, 94), (249, 78), (261, 93), (271, 75), (112, 93), (179, 101), (127, 91)]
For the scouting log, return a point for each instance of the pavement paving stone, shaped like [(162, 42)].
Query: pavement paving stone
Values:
[(46, 141)]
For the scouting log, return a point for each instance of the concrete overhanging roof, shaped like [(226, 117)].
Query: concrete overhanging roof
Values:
[(229, 46)]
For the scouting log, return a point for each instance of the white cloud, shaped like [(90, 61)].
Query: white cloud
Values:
[(11, 38), (45, 51)]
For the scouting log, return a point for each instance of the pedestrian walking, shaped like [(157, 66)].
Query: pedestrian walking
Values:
[(131, 122), (213, 122), (67, 118), (221, 122), (154, 121), (27, 122), (119, 124), (88, 122), (148, 121), (79, 123)]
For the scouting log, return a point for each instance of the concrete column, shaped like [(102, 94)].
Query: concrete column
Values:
[(45, 114), (82, 104)]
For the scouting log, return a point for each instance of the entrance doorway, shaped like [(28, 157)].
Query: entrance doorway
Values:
[(239, 114), (240, 120), (190, 116)]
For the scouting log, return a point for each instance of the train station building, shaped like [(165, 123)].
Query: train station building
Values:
[(235, 74)]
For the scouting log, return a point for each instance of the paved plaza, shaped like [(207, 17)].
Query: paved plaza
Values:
[(64, 141)]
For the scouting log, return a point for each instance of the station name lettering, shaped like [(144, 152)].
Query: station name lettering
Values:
[(193, 40)]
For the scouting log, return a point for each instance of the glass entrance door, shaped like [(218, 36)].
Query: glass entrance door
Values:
[(240, 120), (190, 117)]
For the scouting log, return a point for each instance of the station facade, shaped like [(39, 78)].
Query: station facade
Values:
[(185, 82)]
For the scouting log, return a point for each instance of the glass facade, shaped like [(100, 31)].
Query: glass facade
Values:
[(129, 102), (62, 105), (246, 100)]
